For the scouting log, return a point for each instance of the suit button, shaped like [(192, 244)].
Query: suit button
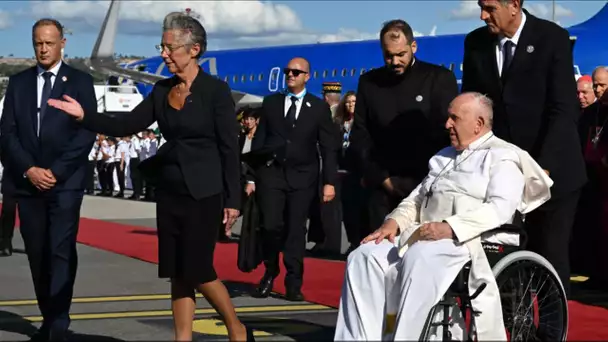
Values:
[(288, 141)]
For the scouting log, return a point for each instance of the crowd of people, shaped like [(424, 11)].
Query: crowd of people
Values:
[(418, 171), (114, 162)]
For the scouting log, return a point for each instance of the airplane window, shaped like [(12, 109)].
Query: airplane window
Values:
[(344, 72), (352, 72), (324, 73), (225, 78), (260, 77), (243, 78), (451, 66), (461, 66), (362, 71), (314, 74), (333, 73), (234, 79), (251, 77)]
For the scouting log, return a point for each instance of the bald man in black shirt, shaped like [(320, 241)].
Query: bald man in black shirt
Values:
[(399, 120)]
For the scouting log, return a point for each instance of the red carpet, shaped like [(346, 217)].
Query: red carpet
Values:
[(323, 279)]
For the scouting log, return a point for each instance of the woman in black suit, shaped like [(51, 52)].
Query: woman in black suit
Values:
[(196, 171)]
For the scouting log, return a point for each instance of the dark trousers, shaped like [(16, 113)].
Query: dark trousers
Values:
[(105, 171), (381, 203), (90, 184), (108, 175), (136, 179), (7, 219), (49, 225), (120, 174), (354, 213), (101, 174), (284, 213), (549, 229), (325, 225), (584, 247)]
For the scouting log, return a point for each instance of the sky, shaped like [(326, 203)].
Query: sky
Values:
[(252, 23)]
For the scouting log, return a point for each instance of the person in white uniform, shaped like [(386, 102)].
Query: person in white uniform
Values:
[(407, 265)]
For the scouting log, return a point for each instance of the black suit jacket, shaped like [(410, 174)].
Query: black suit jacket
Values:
[(535, 106), (296, 150), (400, 121), (207, 150), (63, 144)]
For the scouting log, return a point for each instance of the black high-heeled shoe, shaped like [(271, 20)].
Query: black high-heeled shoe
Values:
[(250, 337)]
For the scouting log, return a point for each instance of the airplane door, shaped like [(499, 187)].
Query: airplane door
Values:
[(274, 78)]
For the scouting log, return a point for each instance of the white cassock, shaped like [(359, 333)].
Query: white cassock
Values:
[(475, 191)]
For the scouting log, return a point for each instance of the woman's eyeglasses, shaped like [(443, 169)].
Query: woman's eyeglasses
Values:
[(168, 48)]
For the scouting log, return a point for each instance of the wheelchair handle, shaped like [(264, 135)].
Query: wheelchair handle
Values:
[(512, 228), (478, 291)]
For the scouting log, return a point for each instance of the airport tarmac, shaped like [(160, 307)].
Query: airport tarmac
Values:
[(119, 298)]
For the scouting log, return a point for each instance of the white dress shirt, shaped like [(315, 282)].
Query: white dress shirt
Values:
[(93, 153), (110, 150), (134, 148), (299, 101), (502, 40), (40, 82), (122, 147)]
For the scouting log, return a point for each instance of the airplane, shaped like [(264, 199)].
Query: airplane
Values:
[(256, 72)]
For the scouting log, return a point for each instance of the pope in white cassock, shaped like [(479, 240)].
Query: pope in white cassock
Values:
[(475, 185)]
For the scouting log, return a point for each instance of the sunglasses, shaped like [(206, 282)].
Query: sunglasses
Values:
[(295, 72)]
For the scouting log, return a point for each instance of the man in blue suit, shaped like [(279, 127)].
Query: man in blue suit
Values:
[(45, 158)]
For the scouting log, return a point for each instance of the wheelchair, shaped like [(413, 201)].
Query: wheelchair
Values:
[(533, 299)]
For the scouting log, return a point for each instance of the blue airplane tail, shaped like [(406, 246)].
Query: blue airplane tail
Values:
[(596, 22)]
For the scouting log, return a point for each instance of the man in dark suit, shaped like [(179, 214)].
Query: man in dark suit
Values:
[(524, 64), (45, 165), (291, 126), (399, 120)]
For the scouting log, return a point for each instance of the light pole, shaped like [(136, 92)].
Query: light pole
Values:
[(66, 31)]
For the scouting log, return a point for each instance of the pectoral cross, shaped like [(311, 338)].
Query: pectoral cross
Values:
[(428, 196)]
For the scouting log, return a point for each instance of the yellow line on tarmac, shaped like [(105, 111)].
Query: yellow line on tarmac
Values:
[(579, 279), (161, 313), (128, 298)]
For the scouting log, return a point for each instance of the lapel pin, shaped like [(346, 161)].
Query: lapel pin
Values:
[(64, 78), (419, 98), (530, 48), (308, 104)]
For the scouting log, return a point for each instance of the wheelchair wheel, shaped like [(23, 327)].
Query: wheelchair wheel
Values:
[(533, 299)]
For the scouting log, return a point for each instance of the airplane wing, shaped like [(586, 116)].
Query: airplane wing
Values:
[(102, 59)]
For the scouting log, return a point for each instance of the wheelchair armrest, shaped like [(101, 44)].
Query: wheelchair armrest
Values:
[(512, 228)]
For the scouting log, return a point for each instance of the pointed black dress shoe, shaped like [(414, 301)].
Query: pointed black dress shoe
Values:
[(6, 249), (294, 295), (41, 335), (265, 287), (250, 337)]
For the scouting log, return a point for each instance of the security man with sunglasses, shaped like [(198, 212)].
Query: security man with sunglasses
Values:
[(291, 126)]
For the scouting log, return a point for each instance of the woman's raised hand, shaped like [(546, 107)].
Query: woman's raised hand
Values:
[(70, 106)]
